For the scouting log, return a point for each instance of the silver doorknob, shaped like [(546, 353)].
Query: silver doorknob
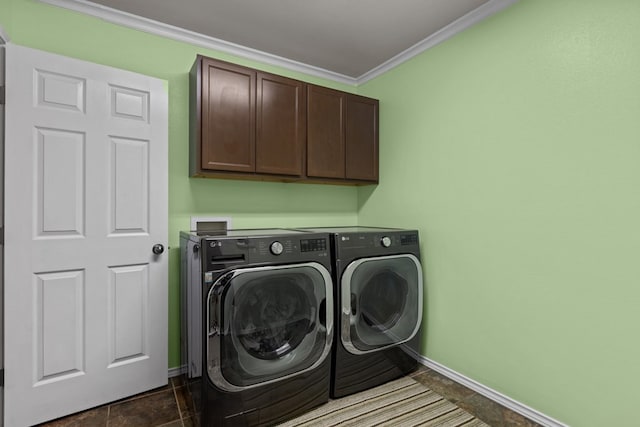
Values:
[(157, 249)]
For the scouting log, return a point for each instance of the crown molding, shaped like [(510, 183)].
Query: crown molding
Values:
[(478, 14), (175, 33), (150, 26)]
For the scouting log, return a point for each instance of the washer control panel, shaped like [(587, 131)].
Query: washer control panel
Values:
[(220, 253)]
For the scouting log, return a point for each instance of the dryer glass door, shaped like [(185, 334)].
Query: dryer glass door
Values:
[(381, 302), (268, 323)]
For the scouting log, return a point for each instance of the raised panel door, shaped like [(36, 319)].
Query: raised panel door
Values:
[(281, 125), (87, 201), (361, 138), (325, 132), (227, 117)]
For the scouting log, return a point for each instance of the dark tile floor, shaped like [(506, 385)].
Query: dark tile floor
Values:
[(481, 407), (169, 407), (165, 406)]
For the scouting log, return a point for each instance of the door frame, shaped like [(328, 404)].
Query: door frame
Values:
[(3, 41)]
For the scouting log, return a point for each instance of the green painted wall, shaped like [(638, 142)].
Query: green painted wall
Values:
[(515, 148), (248, 203), (5, 13)]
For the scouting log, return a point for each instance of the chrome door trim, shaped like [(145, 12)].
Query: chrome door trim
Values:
[(213, 325), (345, 309)]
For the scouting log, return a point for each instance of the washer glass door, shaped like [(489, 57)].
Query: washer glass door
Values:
[(381, 302), (268, 323)]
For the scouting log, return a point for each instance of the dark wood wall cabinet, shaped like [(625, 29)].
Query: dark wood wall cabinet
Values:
[(247, 124)]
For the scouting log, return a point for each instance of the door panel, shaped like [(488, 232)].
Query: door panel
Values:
[(281, 125), (129, 178), (129, 103), (381, 302), (60, 182), (128, 306), (361, 138), (228, 117), (325, 132), (59, 327), (86, 203), (268, 323), (63, 91)]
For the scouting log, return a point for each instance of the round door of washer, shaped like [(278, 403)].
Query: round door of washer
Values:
[(268, 323), (381, 302)]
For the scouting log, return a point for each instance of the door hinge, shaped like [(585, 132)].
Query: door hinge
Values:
[(2, 377), (1, 95), (2, 236)]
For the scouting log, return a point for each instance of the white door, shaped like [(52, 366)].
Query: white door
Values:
[(86, 200)]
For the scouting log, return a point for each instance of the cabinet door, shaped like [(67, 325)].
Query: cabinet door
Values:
[(281, 125), (325, 132), (227, 117), (361, 138)]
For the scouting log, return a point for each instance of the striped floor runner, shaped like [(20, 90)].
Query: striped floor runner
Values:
[(400, 403)]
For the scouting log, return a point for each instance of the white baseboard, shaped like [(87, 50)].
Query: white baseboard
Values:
[(489, 393), (177, 371)]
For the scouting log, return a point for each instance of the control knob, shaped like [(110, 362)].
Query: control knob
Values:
[(385, 241), (276, 248)]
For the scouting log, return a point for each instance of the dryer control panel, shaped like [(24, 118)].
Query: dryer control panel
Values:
[(377, 243), (313, 245)]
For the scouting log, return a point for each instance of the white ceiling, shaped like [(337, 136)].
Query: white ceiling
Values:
[(345, 38)]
